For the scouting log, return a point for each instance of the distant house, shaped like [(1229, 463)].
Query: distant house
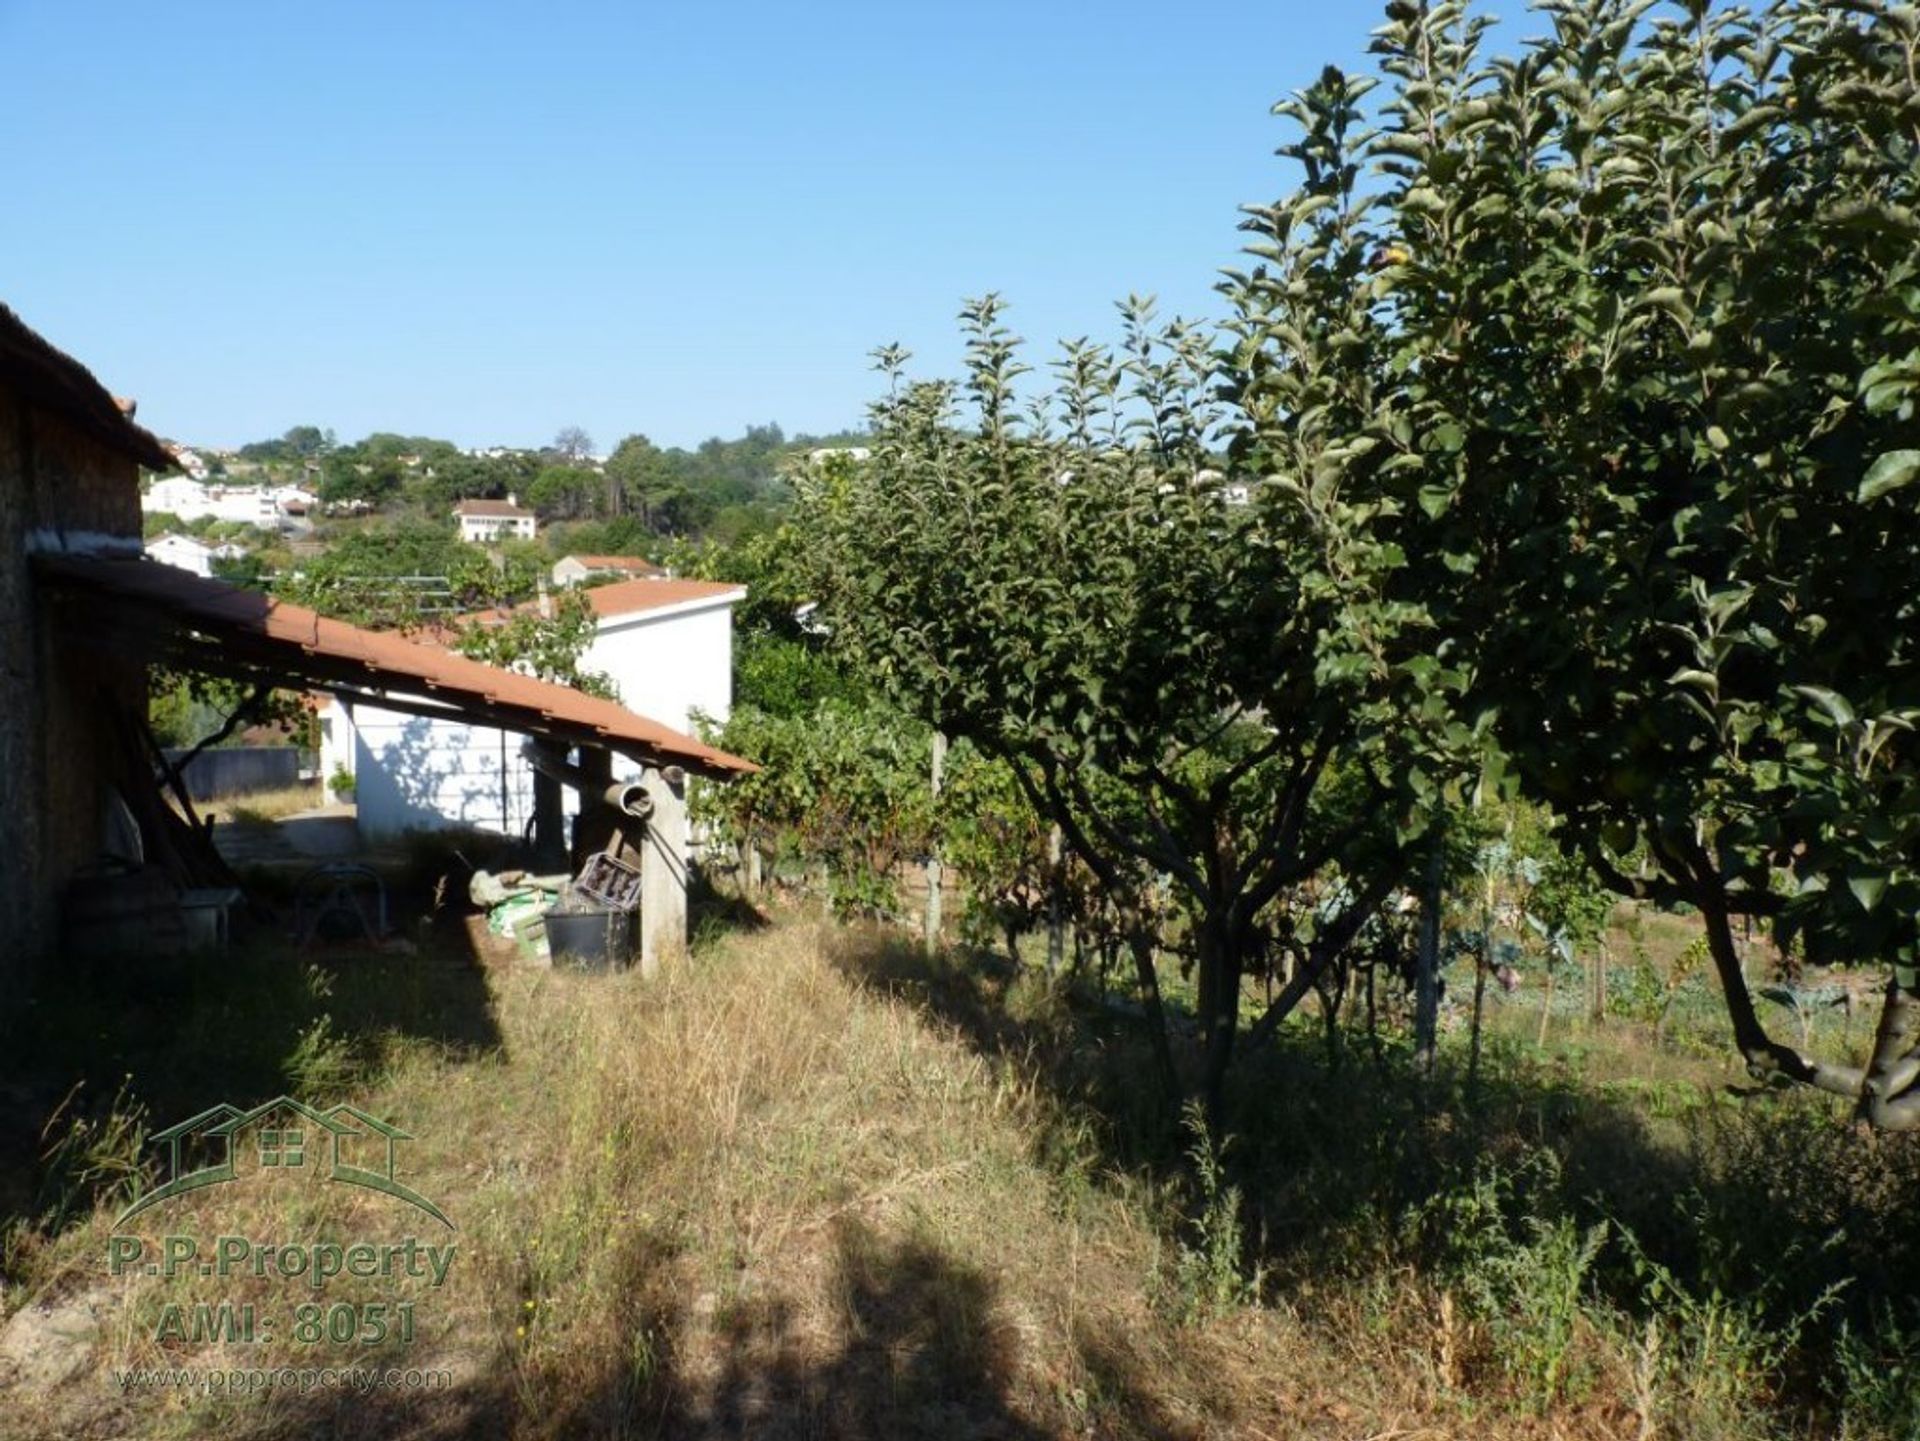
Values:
[(186, 553), (485, 521), (190, 500), (576, 569), (667, 645)]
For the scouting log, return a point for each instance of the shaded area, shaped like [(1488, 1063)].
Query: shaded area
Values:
[(104, 1045), (1359, 1168), (917, 1350)]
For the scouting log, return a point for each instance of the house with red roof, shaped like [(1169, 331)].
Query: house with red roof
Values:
[(667, 646)]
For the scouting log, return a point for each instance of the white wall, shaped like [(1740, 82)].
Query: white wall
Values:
[(412, 773), (669, 663), (182, 553)]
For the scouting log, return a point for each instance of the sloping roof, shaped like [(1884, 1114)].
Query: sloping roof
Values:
[(492, 510), (55, 381), (175, 615), (630, 597), (632, 564), (627, 597)]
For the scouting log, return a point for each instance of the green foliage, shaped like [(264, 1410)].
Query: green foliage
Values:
[(1071, 587), (548, 646), (1525, 1275), (185, 707), (1615, 348), (404, 574), (1210, 1269), (788, 677), (301, 443), (565, 492), (843, 785), (1879, 1364)]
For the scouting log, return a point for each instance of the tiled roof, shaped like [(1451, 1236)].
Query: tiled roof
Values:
[(55, 381), (630, 597), (632, 564), (230, 630)]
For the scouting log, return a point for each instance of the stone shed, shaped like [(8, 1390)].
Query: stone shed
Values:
[(70, 462)]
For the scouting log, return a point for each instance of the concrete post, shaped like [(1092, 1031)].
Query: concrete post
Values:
[(663, 872)]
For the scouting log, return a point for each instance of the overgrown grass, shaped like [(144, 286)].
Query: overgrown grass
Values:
[(266, 807), (812, 1184)]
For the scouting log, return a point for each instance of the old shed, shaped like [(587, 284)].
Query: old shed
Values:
[(70, 461)]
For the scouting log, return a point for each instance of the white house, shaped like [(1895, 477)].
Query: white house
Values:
[(666, 644), (575, 569), (257, 505), (186, 553), (484, 521)]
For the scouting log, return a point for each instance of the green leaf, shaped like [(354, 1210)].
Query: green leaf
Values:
[(1867, 888), (1832, 702), (1891, 471)]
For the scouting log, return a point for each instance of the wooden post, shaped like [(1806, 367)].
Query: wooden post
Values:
[(596, 767), (1056, 923), (663, 872), (1426, 989), (549, 819), (933, 860), (1598, 1010)]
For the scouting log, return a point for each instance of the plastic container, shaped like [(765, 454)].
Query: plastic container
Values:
[(591, 940)]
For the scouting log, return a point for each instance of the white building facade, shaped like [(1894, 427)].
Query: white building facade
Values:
[(666, 645), (485, 521), (183, 552), (259, 505)]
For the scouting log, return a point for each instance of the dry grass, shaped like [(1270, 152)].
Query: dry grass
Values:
[(263, 806), (777, 1194)]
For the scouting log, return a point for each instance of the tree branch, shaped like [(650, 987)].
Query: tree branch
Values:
[(1321, 954)]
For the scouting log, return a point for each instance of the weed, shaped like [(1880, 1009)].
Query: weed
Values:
[(1210, 1268), (90, 1158), (322, 1063), (1879, 1368), (1525, 1276)]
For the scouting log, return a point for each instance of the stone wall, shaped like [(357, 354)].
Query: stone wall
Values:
[(59, 489)]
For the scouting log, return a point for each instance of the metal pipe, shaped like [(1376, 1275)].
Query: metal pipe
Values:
[(627, 797)]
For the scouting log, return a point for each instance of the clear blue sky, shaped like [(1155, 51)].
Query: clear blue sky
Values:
[(486, 221)]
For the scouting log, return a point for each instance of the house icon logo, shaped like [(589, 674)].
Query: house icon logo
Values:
[(282, 1135)]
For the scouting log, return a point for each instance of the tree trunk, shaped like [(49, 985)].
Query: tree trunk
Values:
[(1890, 1098), (1546, 1005), (1219, 1004), (1764, 1056), (1141, 945)]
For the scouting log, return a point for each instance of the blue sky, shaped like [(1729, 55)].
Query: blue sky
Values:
[(487, 221)]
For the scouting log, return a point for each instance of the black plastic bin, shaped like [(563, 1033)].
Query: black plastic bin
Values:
[(591, 940)]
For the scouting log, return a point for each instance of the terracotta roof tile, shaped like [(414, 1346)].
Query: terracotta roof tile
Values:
[(55, 381), (392, 662)]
